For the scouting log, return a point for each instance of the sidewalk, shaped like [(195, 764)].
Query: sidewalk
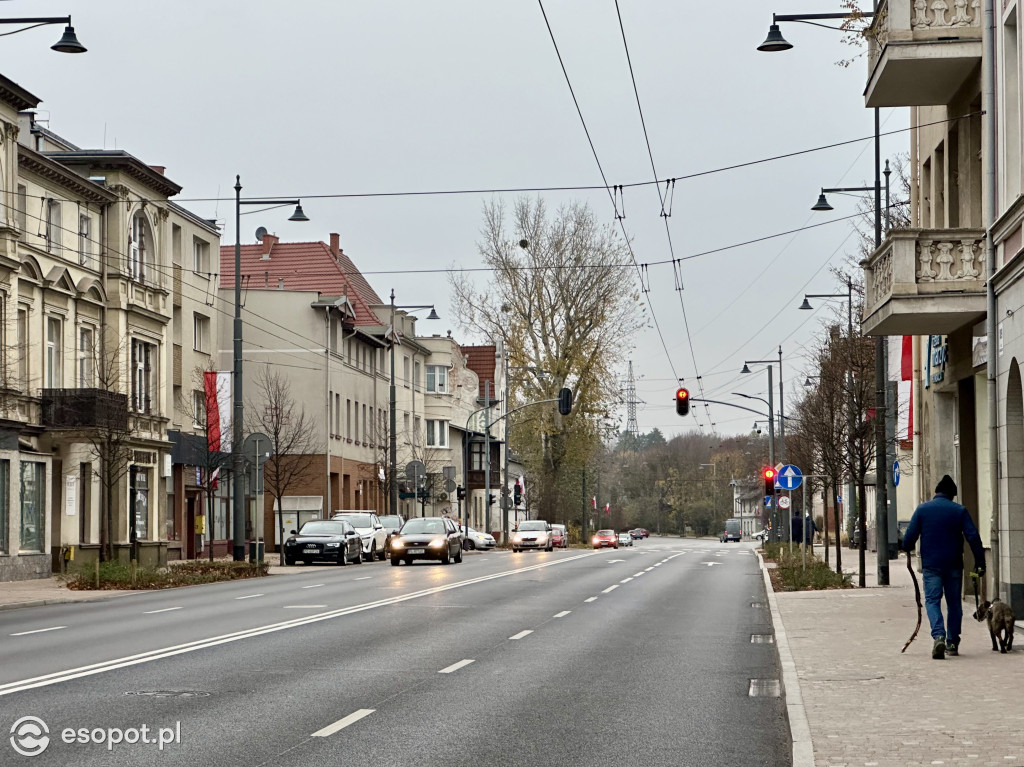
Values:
[(865, 704), (47, 591)]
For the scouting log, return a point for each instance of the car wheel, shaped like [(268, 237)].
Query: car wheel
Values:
[(342, 558), (447, 558), (458, 557), (470, 545), (382, 555), (289, 561), (373, 552), (550, 548), (359, 556), (395, 561), (408, 561), (515, 550)]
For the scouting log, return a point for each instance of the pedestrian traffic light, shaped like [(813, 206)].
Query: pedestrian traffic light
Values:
[(769, 480), (565, 401), (682, 401), (517, 494), (460, 493), (490, 499)]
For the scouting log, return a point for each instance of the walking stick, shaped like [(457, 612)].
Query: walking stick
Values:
[(917, 598)]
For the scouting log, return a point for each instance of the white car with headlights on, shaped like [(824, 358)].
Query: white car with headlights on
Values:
[(533, 534), (427, 538), (371, 532), (474, 539)]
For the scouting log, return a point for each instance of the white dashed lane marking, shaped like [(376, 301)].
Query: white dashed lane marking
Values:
[(610, 588), (250, 596), (455, 666), (521, 634), (563, 613), (590, 599), (341, 724), (164, 610), (38, 631)]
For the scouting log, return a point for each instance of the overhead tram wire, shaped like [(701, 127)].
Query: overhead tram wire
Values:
[(664, 216), (607, 187)]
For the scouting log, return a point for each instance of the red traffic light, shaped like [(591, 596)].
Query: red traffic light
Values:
[(682, 401), (769, 473)]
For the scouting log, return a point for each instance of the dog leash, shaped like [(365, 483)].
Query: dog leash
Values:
[(974, 578), (917, 598)]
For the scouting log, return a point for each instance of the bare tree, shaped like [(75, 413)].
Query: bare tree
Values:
[(293, 438), (562, 302)]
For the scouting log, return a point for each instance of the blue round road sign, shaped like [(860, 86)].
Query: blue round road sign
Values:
[(789, 477), (896, 473)]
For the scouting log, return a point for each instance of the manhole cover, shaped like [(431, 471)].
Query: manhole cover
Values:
[(170, 693)]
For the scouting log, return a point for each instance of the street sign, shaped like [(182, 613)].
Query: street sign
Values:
[(768, 501), (449, 486), (784, 501), (839, 498), (415, 469), (449, 473), (896, 473), (789, 477)]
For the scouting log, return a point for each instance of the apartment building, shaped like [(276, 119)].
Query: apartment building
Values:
[(935, 281)]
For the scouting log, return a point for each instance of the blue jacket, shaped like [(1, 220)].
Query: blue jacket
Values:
[(942, 526)]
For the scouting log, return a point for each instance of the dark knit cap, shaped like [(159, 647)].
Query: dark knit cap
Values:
[(946, 487)]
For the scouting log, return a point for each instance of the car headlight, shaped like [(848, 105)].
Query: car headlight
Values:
[(437, 543), (397, 544), (594, 540), (290, 542), (331, 545), (518, 538)]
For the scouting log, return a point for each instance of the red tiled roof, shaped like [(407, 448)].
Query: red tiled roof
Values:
[(304, 266), (481, 360)]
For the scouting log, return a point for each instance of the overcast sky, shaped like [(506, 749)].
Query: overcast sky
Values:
[(356, 96)]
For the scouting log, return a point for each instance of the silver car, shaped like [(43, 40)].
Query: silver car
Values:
[(532, 534), (625, 539), (476, 540)]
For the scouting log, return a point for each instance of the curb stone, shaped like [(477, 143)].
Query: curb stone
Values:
[(799, 729)]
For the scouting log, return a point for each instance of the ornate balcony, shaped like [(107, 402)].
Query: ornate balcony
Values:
[(84, 409), (920, 52), (925, 281)]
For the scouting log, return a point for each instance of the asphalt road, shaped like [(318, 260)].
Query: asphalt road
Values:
[(638, 656)]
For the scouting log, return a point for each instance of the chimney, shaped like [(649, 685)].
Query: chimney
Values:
[(158, 168), (335, 244), (269, 241)]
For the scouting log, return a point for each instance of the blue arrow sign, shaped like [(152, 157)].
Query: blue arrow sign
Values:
[(790, 477), (896, 473), (768, 501)]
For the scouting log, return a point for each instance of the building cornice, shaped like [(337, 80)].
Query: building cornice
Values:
[(33, 162), (121, 162), (19, 98)]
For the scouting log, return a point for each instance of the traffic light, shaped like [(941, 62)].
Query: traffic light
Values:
[(460, 493), (682, 401), (769, 480), (565, 401), (517, 494), (490, 499)]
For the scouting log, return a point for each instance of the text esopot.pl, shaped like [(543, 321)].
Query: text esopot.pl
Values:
[(30, 736)]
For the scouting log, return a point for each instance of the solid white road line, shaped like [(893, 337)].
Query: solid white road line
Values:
[(455, 666), (590, 599), (314, 586), (563, 613), (341, 724), (250, 596), (38, 631), (303, 607), (521, 634), (56, 677), (610, 588), (165, 610)]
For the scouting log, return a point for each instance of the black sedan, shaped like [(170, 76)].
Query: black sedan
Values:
[(427, 538), (324, 540)]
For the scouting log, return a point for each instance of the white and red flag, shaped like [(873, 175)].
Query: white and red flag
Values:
[(217, 389)]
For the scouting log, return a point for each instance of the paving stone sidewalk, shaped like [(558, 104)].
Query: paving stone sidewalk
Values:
[(866, 704)]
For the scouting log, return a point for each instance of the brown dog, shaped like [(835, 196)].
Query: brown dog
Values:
[(1000, 623)]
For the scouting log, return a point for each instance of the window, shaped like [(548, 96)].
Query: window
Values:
[(138, 487), (5, 489), (33, 505), (417, 427), (199, 409), (356, 430), (366, 430), (337, 415), (86, 357), (138, 248), (437, 433), (348, 419), (53, 230), (22, 203), (201, 333), (417, 378), (143, 375), (405, 370), (53, 353), (437, 379), (200, 256), (476, 456), (84, 234), (23, 346)]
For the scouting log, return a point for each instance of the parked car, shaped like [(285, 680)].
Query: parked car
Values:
[(474, 539), (605, 539), (761, 535), (324, 540), (427, 538), (370, 530), (532, 534), (625, 539), (560, 536), (392, 524)]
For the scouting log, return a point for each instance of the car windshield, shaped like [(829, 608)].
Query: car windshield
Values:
[(323, 527), (358, 521), (417, 526), (606, 532), (392, 522), (533, 526)]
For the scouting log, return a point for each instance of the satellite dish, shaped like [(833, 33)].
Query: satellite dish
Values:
[(261, 233)]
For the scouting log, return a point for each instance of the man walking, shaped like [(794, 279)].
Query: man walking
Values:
[(942, 527)]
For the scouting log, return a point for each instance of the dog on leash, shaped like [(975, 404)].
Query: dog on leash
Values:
[(1000, 623)]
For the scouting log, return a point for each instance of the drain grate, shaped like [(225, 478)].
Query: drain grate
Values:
[(762, 639), (170, 693), (764, 688)]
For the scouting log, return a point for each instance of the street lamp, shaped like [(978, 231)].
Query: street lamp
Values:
[(393, 415), (782, 407), (237, 501), (775, 42), (68, 43)]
